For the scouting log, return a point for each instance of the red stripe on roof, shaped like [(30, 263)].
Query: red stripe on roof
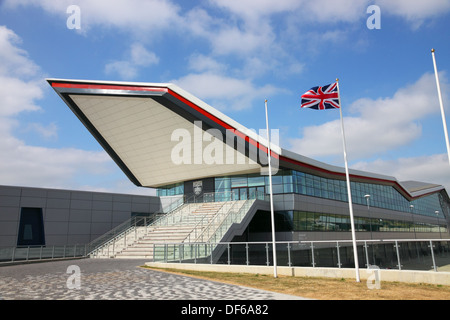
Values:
[(107, 87)]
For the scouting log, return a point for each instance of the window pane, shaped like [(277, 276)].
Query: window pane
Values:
[(240, 181), (255, 181)]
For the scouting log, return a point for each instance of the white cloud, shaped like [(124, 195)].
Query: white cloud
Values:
[(202, 63), (210, 83), (227, 36), (379, 126), (20, 87), (17, 95), (414, 11), (331, 12), (137, 57), (38, 166), (47, 132), (431, 169), (14, 60), (255, 11), (134, 15), (257, 8), (23, 164), (224, 92), (141, 56), (124, 69)]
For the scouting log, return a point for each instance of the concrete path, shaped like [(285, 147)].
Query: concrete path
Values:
[(114, 279)]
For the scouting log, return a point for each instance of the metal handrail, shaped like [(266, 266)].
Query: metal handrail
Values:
[(217, 217), (10, 255), (126, 227), (232, 217), (208, 221), (178, 214), (220, 216), (203, 252)]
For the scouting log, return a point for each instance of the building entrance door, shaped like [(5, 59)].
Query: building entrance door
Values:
[(239, 193), (31, 228), (245, 193)]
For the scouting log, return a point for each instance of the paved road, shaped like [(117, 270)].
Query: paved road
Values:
[(114, 279)]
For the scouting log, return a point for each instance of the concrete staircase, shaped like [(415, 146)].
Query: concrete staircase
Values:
[(180, 226)]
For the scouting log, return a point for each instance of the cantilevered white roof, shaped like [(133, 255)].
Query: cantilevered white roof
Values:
[(160, 134)]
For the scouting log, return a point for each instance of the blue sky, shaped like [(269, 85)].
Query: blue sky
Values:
[(233, 55)]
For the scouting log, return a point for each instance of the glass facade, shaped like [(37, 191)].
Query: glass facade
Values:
[(315, 221), (290, 181), (170, 190), (254, 186)]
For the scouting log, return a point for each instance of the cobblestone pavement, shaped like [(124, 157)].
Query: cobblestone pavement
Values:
[(114, 279)]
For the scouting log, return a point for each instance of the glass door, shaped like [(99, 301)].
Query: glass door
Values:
[(243, 193), (240, 193), (235, 194)]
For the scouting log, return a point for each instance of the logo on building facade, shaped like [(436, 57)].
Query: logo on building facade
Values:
[(198, 187)]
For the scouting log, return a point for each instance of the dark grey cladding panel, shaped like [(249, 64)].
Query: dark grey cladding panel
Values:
[(10, 191)]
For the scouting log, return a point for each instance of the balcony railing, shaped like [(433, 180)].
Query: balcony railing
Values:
[(409, 254), (36, 253)]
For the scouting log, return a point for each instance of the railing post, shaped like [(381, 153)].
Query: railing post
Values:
[(114, 246), (247, 261), (338, 254), (211, 252), (28, 252), (398, 255), (366, 248), (174, 251), (312, 255), (267, 255), (195, 252), (165, 252), (145, 224), (289, 254), (228, 252), (432, 256)]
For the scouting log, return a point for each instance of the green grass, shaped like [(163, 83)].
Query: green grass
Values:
[(324, 288)]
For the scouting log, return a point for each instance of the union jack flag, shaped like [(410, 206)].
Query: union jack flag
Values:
[(321, 98)]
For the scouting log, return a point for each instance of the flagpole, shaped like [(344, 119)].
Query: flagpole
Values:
[(271, 198), (355, 252), (441, 104)]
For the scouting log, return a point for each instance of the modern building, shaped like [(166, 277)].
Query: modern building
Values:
[(54, 217), (165, 138)]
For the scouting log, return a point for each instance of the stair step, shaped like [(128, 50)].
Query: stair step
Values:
[(178, 225)]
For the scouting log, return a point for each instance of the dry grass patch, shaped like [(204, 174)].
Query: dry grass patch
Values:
[(324, 288)]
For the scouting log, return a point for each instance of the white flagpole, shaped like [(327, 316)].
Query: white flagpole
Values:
[(442, 105), (271, 197), (355, 252)]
